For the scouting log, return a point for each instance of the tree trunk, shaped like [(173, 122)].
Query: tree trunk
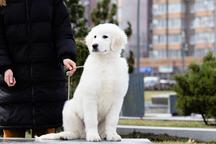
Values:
[(204, 119)]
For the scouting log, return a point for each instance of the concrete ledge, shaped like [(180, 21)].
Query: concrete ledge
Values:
[(167, 116), (201, 134), (32, 141)]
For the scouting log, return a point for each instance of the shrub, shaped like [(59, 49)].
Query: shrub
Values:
[(76, 15), (196, 89), (131, 62)]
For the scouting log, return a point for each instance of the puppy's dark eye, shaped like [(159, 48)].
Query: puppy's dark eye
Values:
[(95, 36), (105, 36)]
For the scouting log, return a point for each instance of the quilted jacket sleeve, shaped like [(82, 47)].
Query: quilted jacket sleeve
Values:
[(64, 40), (5, 62)]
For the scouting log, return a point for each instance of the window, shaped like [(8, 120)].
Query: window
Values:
[(175, 23), (176, 7), (201, 5), (159, 23), (175, 38), (201, 52), (205, 21), (159, 9), (204, 37), (175, 53), (163, 53), (159, 39)]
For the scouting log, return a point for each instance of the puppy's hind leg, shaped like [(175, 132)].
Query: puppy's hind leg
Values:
[(73, 125)]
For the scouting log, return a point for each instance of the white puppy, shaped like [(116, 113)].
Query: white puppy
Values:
[(93, 112)]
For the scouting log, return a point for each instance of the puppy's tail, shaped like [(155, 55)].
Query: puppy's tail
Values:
[(51, 136), (58, 136), (38, 139)]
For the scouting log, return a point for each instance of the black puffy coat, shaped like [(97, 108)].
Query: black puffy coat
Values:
[(35, 36)]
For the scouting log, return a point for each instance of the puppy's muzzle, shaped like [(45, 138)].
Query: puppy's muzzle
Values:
[(95, 47)]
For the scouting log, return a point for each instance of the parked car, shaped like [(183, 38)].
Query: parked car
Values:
[(151, 82), (167, 83)]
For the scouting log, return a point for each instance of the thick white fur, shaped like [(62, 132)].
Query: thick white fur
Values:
[(93, 112)]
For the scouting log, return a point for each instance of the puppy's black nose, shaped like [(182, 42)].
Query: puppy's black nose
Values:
[(95, 47)]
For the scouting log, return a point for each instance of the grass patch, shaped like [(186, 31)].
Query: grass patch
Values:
[(149, 94), (165, 123)]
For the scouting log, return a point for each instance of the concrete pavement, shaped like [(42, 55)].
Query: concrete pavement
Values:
[(32, 141)]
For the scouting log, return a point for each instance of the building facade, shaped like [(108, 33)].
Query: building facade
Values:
[(182, 31), (172, 32), (167, 28), (127, 12), (185, 26), (203, 26)]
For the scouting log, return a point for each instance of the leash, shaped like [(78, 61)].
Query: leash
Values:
[(69, 80)]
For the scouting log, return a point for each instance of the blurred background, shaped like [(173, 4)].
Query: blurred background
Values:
[(171, 57), (166, 36)]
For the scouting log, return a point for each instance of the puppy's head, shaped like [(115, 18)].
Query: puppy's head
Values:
[(106, 38)]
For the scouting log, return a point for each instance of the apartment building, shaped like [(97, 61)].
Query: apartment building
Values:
[(182, 31), (127, 12), (167, 28), (203, 26)]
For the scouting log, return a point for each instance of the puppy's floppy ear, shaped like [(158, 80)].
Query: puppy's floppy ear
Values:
[(119, 40)]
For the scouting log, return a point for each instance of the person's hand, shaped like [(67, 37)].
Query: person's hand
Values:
[(9, 78), (70, 66)]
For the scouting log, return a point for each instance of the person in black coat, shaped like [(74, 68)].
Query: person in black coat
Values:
[(36, 42)]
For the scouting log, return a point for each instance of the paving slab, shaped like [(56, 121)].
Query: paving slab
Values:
[(32, 141)]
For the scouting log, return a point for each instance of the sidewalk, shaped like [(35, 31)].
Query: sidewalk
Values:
[(32, 141)]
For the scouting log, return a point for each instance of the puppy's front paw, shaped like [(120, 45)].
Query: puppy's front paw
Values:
[(113, 136), (68, 135), (93, 137)]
